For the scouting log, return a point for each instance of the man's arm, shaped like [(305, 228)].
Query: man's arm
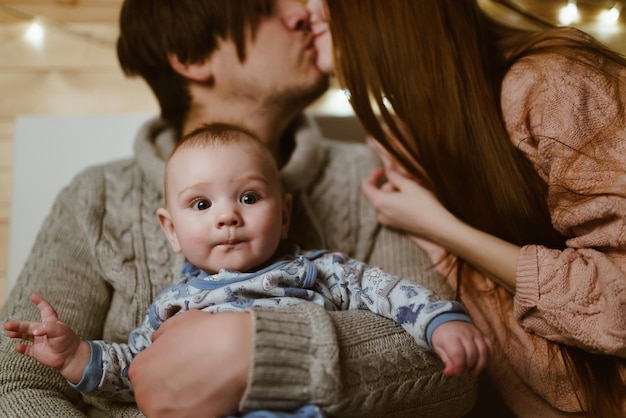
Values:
[(378, 371), (61, 268)]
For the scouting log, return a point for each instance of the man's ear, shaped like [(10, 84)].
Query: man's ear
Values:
[(165, 220), (201, 72), (287, 208)]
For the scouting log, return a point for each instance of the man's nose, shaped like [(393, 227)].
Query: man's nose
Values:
[(296, 16)]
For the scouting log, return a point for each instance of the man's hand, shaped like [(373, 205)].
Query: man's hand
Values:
[(197, 365)]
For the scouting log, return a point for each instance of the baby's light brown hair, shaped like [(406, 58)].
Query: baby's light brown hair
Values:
[(219, 134)]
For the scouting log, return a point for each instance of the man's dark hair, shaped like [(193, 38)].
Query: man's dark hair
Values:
[(191, 29)]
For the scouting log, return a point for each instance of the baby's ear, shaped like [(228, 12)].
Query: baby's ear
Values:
[(165, 220), (287, 208)]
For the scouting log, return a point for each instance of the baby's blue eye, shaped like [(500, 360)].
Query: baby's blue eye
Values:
[(249, 198), (201, 204)]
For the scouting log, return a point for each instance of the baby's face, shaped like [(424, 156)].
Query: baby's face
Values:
[(226, 206), (323, 40)]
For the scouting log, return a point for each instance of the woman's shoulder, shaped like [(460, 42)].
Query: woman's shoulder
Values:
[(558, 101), (564, 51), (564, 65)]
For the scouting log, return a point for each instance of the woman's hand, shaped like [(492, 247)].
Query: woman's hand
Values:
[(403, 203)]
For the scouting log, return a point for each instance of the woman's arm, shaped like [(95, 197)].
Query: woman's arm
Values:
[(410, 207), (567, 117), (575, 296)]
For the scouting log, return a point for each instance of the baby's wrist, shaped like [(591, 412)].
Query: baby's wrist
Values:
[(75, 364)]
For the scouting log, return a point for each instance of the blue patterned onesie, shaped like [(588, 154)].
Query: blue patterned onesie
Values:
[(331, 280)]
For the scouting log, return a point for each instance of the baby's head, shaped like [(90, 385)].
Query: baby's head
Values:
[(225, 207)]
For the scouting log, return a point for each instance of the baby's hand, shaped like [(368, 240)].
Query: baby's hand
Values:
[(53, 343), (462, 348)]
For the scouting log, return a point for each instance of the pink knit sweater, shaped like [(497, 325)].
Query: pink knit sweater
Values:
[(563, 116)]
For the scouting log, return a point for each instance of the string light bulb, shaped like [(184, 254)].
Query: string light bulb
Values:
[(569, 13), (35, 33), (610, 17)]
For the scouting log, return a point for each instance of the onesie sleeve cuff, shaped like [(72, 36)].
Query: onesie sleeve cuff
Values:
[(93, 371), (285, 348), (442, 319)]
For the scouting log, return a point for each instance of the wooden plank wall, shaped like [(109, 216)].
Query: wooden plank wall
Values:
[(72, 74), (5, 198), (66, 11)]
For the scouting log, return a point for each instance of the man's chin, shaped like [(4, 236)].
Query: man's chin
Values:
[(323, 85), (303, 97)]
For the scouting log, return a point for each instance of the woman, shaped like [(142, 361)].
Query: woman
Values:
[(506, 160)]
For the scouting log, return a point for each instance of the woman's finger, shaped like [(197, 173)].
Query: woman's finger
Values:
[(371, 185), (377, 178), (399, 180)]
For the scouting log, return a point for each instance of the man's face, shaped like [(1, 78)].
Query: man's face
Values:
[(280, 66)]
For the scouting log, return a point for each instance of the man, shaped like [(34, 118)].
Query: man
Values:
[(101, 258)]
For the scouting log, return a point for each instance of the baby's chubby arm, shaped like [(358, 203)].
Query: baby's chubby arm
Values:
[(434, 323), (53, 343)]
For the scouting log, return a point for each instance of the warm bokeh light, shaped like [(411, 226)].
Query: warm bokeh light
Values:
[(569, 13), (35, 34), (610, 17)]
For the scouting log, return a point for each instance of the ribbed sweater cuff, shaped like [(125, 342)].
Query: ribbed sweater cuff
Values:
[(284, 350), (527, 287)]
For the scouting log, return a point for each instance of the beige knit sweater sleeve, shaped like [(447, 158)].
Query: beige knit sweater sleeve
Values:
[(63, 269), (569, 119)]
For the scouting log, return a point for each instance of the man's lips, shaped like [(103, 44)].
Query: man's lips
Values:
[(310, 41)]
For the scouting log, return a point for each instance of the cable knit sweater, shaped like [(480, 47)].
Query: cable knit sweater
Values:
[(101, 258), (564, 117)]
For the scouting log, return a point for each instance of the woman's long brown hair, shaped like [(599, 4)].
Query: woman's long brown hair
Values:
[(437, 66)]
